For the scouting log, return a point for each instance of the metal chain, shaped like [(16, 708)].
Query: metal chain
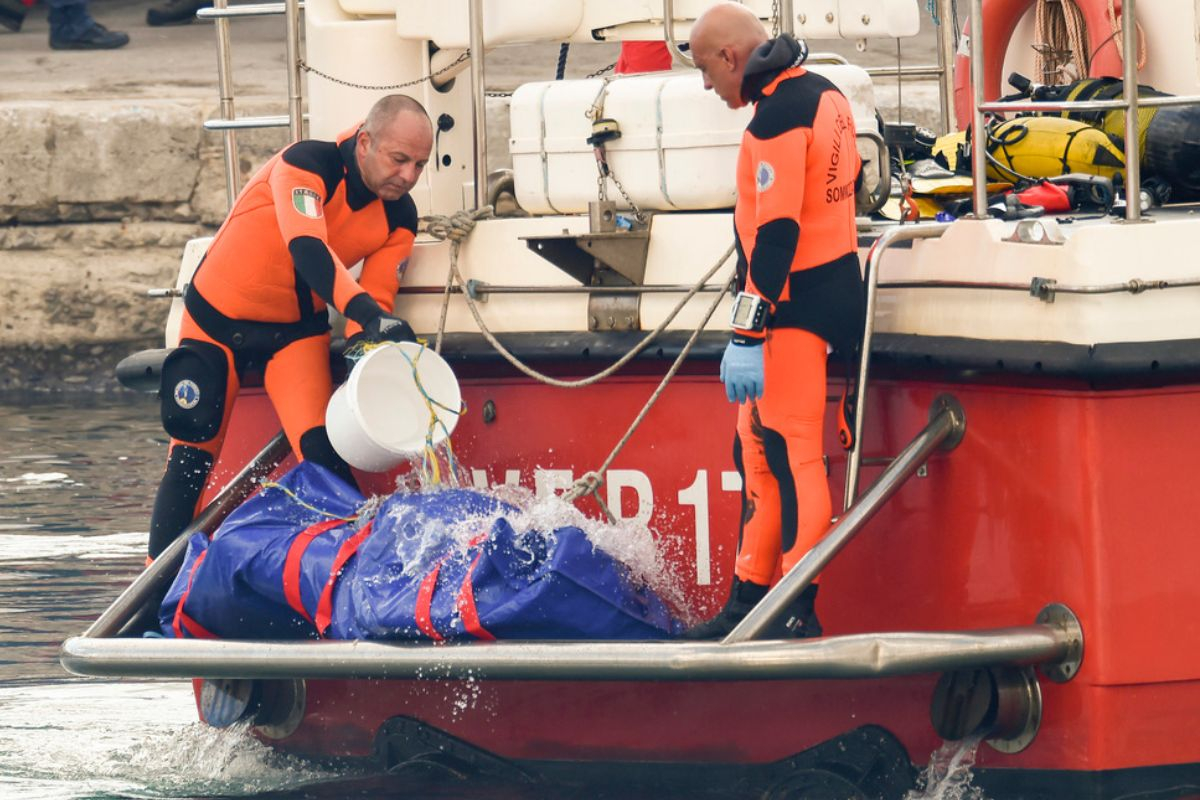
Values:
[(600, 71), (774, 18), (589, 76), (309, 68), (637, 212)]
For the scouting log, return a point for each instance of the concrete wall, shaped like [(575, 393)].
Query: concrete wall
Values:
[(96, 202)]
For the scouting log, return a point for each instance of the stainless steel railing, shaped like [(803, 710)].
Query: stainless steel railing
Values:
[(887, 240), (229, 123)]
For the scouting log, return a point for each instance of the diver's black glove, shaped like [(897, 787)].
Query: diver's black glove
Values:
[(385, 328)]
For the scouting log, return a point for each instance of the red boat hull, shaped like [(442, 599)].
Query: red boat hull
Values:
[(1058, 493)]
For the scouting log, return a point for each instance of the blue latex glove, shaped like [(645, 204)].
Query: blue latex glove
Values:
[(742, 372)]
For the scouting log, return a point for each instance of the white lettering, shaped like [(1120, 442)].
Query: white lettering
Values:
[(618, 479), (696, 496)]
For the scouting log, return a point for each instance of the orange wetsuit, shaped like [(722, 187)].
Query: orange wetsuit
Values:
[(259, 298), (796, 179)]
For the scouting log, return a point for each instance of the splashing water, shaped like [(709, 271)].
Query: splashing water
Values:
[(92, 739), (949, 776), (629, 542)]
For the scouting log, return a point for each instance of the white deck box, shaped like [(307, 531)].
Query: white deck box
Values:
[(678, 145)]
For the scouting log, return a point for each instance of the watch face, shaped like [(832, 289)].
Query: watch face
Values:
[(742, 313)]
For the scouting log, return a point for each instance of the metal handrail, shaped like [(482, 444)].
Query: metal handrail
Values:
[(479, 103), (862, 656), (945, 430), (885, 169), (887, 240), (1043, 288), (246, 10), (946, 50), (247, 123), (479, 289), (911, 71), (220, 14), (669, 35), (1089, 105)]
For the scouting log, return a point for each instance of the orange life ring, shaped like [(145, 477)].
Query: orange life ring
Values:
[(1000, 18)]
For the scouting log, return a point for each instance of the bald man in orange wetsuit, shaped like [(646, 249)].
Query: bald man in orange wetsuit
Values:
[(800, 292), (259, 298)]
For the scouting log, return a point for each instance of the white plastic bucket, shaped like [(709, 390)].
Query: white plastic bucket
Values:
[(379, 416)]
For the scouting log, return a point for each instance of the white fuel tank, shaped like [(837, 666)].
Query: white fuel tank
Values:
[(678, 145)]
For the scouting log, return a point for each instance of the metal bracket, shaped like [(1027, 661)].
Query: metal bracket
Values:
[(1060, 616), (605, 256), (614, 258), (958, 417), (477, 290), (1043, 289)]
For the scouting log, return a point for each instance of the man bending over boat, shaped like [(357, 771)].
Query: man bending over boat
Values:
[(800, 291), (259, 298)]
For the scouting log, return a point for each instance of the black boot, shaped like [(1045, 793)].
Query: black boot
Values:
[(800, 622), (742, 597)]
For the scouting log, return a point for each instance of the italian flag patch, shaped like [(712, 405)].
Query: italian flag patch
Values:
[(307, 202)]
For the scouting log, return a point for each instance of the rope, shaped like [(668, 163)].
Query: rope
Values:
[(560, 69), (457, 227), (1061, 41), (302, 503), (589, 482), (1119, 39)]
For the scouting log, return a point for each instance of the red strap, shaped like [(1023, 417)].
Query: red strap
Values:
[(197, 630), (345, 552), (466, 605), (291, 567), (425, 601), (178, 623)]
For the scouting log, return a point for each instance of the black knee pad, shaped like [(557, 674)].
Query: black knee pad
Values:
[(180, 489), (316, 447), (194, 377)]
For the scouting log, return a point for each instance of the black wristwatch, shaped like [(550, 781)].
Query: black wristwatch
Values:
[(749, 312)]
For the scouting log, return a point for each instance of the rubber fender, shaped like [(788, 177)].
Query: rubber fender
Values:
[(1045, 147)]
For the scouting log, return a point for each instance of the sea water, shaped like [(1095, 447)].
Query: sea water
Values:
[(75, 482)]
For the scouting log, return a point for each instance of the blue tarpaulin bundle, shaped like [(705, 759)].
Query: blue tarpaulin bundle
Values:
[(294, 561)]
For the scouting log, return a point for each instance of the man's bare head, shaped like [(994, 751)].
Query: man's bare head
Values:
[(722, 39), (393, 146)]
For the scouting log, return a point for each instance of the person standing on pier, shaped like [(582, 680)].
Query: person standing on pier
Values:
[(800, 292), (259, 298)]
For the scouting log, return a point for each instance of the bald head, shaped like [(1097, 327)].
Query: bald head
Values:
[(386, 109), (722, 39), (393, 146)]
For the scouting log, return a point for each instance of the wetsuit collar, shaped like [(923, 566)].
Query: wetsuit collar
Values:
[(357, 193), (768, 61)]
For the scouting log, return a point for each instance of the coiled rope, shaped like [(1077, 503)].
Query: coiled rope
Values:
[(457, 227), (1061, 42)]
